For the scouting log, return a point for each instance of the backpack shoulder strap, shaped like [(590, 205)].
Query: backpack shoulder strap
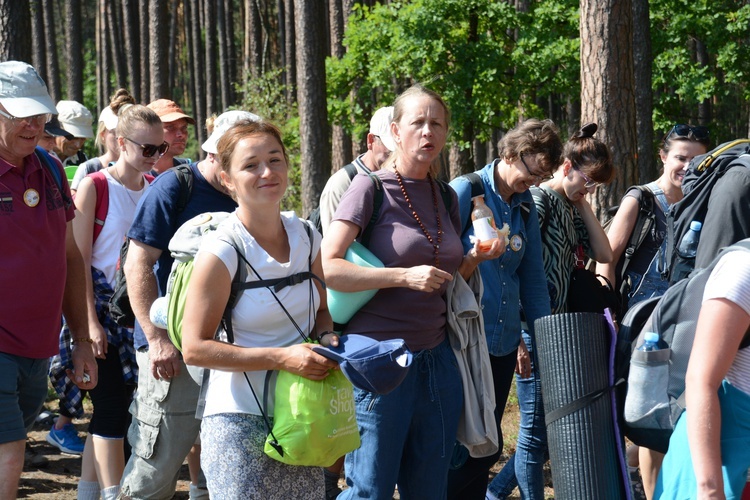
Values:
[(643, 225), (351, 170), (546, 203), (102, 201), (47, 162), (445, 193), (377, 202), (185, 176), (477, 189)]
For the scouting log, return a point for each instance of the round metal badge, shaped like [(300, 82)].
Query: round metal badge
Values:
[(31, 197), (516, 242)]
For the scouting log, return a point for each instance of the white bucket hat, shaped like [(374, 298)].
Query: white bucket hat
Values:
[(75, 119), (22, 91), (224, 122)]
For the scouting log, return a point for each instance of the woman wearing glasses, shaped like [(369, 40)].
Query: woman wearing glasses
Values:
[(140, 139), (528, 154), (568, 226), (641, 279)]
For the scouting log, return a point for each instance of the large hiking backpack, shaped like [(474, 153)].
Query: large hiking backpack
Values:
[(119, 304), (702, 175), (656, 379), (185, 244)]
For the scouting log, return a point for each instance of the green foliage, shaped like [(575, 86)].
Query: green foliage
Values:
[(266, 97), (466, 50)]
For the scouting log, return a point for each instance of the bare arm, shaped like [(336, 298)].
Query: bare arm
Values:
[(721, 326), (347, 277), (83, 231), (619, 235), (76, 311), (143, 291), (206, 299), (600, 247)]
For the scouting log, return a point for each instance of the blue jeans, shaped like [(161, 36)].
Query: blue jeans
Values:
[(408, 434), (524, 469)]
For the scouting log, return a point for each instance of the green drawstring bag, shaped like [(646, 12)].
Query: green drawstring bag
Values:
[(314, 420)]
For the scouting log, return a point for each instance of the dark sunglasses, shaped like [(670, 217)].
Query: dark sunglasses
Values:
[(697, 133), (150, 150)]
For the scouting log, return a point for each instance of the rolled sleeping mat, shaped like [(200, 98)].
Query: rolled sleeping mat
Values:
[(573, 352)]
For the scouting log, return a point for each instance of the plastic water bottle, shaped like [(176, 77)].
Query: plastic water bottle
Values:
[(650, 342), (689, 244), (483, 222)]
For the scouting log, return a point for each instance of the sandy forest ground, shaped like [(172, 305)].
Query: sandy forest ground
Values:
[(58, 480)]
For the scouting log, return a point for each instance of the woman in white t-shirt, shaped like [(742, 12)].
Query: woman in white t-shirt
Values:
[(255, 171), (709, 451)]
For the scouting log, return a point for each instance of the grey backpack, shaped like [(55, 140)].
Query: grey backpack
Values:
[(656, 381)]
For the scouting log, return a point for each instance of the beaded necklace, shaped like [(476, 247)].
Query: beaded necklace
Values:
[(435, 245)]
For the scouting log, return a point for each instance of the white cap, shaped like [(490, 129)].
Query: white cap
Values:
[(22, 91), (109, 118), (224, 122), (380, 125), (75, 119)]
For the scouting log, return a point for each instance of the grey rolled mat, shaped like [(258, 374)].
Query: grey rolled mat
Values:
[(572, 351)]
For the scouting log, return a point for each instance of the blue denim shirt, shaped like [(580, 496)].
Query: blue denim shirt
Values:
[(517, 277)]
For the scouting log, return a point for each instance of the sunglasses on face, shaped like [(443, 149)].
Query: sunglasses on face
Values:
[(538, 177), (150, 150), (696, 133), (588, 183), (38, 120)]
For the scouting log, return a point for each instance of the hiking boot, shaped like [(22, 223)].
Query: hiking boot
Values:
[(66, 439), (32, 459)]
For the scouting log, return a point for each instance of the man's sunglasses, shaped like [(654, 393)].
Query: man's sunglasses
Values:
[(696, 133), (150, 150)]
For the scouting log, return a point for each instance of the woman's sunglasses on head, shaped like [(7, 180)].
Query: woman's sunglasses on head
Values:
[(694, 133), (150, 150)]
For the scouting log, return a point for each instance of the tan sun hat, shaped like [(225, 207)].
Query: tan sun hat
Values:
[(169, 111)]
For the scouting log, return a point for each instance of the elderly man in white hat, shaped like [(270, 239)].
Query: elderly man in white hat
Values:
[(71, 128), (41, 269), (379, 147), (165, 388)]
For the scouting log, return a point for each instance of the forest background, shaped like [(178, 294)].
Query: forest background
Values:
[(319, 68)]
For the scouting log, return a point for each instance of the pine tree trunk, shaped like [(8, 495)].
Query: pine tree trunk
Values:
[(158, 11), (607, 88), (130, 20), (224, 43), (53, 67), (341, 153), (145, 35), (199, 69), (74, 51), (290, 69), (172, 47), (642, 59), (105, 57), (311, 96), (209, 27), (38, 56), (15, 30), (117, 55)]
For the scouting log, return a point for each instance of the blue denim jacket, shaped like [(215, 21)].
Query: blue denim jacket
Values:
[(518, 275)]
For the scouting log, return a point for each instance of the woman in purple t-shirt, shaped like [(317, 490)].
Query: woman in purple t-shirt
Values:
[(408, 434)]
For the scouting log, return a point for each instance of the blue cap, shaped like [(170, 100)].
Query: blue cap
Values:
[(696, 225), (377, 366)]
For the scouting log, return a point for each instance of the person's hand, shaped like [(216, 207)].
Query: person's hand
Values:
[(493, 252), (85, 370), (329, 339), (300, 359), (523, 361), (165, 359), (99, 336), (426, 278)]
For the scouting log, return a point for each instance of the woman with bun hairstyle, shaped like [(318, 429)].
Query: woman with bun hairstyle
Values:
[(140, 140), (569, 228), (106, 139)]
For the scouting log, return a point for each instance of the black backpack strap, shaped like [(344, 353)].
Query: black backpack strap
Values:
[(185, 176), (351, 170), (646, 220), (377, 202), (477, 189), (545, 200)]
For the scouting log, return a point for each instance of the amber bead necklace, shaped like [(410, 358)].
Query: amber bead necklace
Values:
[(435, 244)]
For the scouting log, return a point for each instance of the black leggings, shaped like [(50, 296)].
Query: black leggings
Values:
[(470, 481), (111, 398)]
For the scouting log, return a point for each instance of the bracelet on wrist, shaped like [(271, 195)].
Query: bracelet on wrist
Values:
[(82, 339)]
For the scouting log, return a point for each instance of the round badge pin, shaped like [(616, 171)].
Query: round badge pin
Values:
[(31, 197), (516, 242)]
